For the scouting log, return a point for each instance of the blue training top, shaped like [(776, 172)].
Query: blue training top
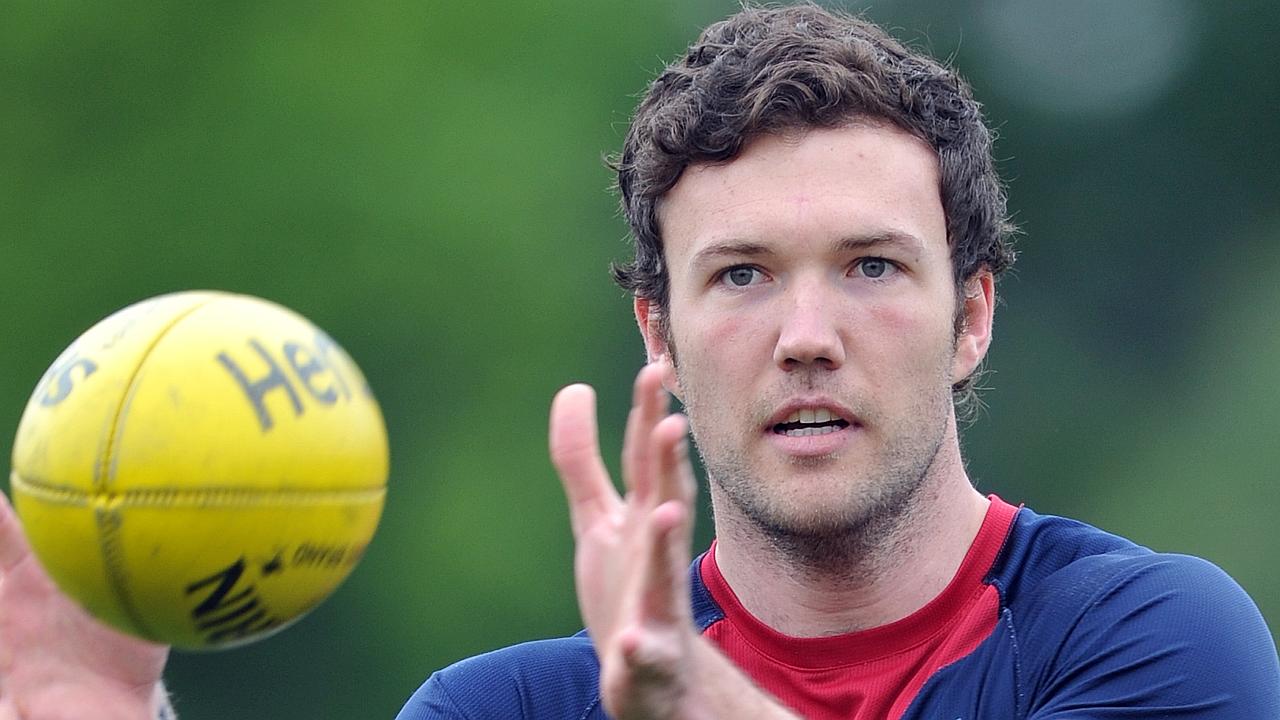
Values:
[(1046, 619)]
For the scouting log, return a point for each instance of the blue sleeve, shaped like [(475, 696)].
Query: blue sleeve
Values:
[(541, 680), (1170, 637), (430, 702)]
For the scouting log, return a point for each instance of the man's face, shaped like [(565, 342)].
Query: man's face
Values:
[(812, 314)]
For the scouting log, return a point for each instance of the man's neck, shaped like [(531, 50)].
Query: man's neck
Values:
[(885, 578)]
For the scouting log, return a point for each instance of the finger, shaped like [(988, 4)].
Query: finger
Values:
[(652, 658), (673, 474), (666, 596), (648, 404), (575, 452), (13, 544), (670, 524)]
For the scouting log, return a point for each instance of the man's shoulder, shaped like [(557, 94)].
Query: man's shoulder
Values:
[(556, 678), (1093, 610), (1065, 564), (1047, 548)]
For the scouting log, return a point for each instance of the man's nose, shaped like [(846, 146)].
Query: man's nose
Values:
[(809, 334)]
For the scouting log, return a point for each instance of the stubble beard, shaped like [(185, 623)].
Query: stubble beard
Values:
[(848, 535)]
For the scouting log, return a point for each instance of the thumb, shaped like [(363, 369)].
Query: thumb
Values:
[(13, 543), (575, 452)]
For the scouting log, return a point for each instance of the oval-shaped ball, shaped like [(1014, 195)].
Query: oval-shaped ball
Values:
[(200, 468)]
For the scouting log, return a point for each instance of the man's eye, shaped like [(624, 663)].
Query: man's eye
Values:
[(741, 276), (874, 267)]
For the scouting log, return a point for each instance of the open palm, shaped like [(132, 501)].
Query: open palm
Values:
[(632, 552)]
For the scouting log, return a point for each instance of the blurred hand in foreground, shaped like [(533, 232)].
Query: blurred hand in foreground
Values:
[(57, 662), (632, 564)]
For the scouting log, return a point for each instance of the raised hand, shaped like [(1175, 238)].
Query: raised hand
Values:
[(633, 552), (57, 662)]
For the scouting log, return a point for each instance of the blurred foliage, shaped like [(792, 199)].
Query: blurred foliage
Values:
[(424, 181)]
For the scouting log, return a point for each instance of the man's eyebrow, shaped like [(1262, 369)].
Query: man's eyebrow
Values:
[(729, 248), (906, 241), (852, 243)]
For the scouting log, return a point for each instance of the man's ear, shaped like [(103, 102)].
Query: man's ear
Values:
[(975, 334), (656, 345)]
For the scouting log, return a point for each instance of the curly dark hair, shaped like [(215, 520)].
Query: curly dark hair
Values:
[(774, 69)]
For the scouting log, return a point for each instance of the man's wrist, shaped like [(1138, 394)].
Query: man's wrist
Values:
[(721, 689)]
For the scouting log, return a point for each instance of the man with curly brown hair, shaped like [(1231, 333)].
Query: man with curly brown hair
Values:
[(818, 229)]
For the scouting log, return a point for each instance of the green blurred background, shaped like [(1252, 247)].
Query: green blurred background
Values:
[(424, 181)]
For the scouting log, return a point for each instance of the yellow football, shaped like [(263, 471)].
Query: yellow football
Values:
[(200, 468)]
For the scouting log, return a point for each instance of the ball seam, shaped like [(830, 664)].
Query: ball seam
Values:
[(217, 496)]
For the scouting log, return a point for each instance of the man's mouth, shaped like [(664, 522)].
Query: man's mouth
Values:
[(810, 421)]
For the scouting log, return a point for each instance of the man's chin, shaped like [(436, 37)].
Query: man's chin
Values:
[(811, 527), (820, 514), (805, 513)]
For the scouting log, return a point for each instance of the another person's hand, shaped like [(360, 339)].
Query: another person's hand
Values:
[(57, 662)]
